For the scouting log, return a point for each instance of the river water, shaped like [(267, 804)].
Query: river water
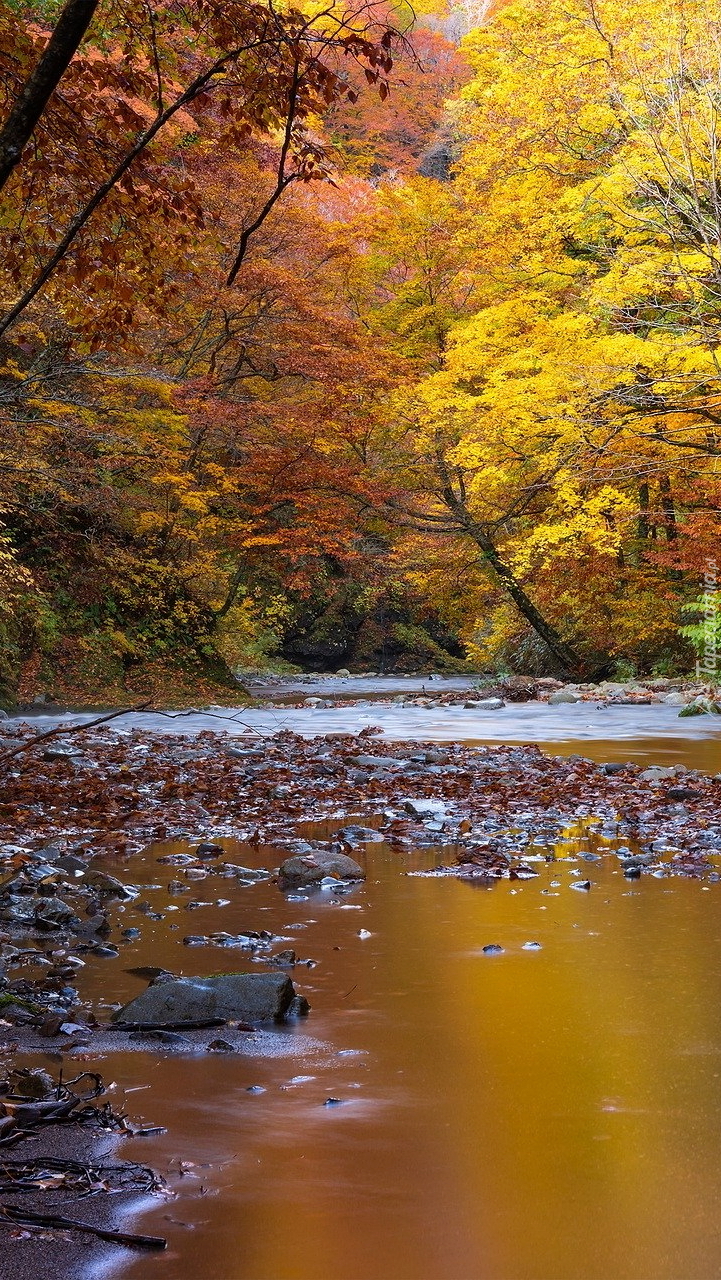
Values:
[(545, 1114)]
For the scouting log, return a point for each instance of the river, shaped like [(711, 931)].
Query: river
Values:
[(537, 1114)]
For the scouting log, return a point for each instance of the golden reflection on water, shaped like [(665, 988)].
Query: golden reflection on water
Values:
[(547, 1115)]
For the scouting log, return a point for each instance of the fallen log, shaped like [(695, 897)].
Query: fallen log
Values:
[(16, 1214), (198, 1025), (73, 728)]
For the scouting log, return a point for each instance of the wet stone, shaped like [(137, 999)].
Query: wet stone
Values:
[(221, 1046), (208, 850), (107, 885), (298, 1008), (250, 997), (307, 870), (171, 1039)]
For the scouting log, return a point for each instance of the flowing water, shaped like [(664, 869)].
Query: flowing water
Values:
[(545, 1114)]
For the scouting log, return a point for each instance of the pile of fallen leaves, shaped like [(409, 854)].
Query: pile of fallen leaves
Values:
[(107, 790)]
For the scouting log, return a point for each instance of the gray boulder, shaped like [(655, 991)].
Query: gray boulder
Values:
[(308, 869), (250, 997), (484, 704), (562, 696)]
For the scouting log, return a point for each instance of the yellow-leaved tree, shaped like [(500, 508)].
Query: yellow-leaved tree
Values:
[(570, 429)]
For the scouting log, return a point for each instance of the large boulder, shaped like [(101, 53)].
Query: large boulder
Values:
[(562, 696), (250, 997), (308, 869)]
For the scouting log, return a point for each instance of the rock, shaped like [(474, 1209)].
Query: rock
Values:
[(378, 762), (108, 886), (492, 949), (532, 946), (221, 1046), (693, 709), (298, 1008), (657, 772), (360, 835), (708, 705), (33, 1083), (247, 873), (342, 671), (172, 1039), (54, 914), (208, 850), (581, 884), (485, 704), (310, 869), (562, 696), (285, 959), (250, 997), (674, 700), (70, 863), (683, 793), (424, 809), (612, 768)]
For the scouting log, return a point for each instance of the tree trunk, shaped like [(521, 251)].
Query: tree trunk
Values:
[(670, 527), (571, 662), (668, 508), (42, 82), (643, 505)]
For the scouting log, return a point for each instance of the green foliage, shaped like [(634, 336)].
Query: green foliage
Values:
[(704, 633)]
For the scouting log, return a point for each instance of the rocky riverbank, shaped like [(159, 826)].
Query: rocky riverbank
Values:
[(692, 697)]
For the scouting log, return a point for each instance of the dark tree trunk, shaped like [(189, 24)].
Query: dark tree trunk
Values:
[(643, 505), (670, 527), (570, 661), (669, 509), (42, 82)]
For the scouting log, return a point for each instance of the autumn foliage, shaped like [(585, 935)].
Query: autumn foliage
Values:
[(274, 382)]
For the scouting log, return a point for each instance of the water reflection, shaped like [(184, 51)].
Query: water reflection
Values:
[(532, 1115)]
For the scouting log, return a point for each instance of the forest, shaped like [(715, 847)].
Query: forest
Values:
[(355, 336)]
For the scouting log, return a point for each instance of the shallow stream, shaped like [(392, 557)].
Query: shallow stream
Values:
[(538, 1114)]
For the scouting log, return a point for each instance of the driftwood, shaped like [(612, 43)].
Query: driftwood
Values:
[(16, 1214), (196, 1025), (66, 729)]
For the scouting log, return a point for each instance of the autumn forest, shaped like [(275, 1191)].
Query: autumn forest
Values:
[(356, 336)]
